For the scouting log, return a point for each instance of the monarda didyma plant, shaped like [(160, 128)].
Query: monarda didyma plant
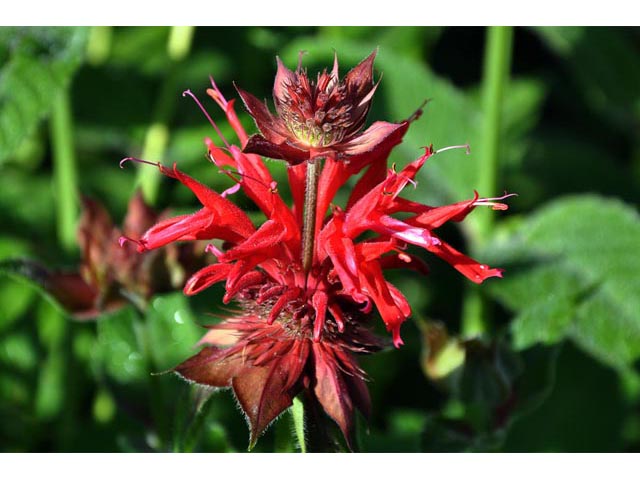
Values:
[(307, 283)]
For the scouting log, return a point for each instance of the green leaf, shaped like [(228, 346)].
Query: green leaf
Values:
[(604, 65), (119, 347), (584, 281), (172, 330), (39, 65)]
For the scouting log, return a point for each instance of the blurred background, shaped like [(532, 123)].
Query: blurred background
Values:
[(545, 359)]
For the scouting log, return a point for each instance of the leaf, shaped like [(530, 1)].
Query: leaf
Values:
[(172, 330), (119, 348), (583, 283), (39, 65), (604, 65)]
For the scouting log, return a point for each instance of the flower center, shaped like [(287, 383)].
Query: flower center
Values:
[(316, 114)]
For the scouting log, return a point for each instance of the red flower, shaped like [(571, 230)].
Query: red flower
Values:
[(321, 118), (299, 325)]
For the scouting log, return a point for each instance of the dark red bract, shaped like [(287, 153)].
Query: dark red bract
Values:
[(320, 118)]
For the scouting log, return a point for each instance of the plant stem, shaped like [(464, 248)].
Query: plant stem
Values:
[(99, 45), (180, 39), (157, 136), (64, 171), (297, 414), (310, 201), (497, 63)]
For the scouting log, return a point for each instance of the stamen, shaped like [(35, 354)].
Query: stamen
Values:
[(494, 202), (138, 160), (211, 248), (216, 94), (465, 146), (418, 113), (230, 190), (206, 114)]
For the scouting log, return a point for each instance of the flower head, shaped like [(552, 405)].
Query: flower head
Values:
[(300, 322), (320, 118)]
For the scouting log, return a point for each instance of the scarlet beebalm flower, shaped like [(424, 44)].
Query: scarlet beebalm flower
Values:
[(320, 118), (323, 305)]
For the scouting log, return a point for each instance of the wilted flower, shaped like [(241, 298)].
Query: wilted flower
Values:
[(320, 118), (299, 325), (110, 276)]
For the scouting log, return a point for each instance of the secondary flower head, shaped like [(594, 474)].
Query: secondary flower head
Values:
[(110, 276), (319, 118)]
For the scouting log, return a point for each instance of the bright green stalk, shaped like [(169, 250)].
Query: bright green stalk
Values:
[(297, 413), (157, 136), (497, 63), (64, 171), (180, 40), (99, 45)]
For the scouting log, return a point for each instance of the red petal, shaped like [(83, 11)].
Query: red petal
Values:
[(377, 288), (297, 181), (206, 277), (474, 271), (227, 213), (437, 216)]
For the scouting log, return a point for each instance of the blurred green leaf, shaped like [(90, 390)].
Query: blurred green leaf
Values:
[(172, 330), (119, 346), (40, 63), (584, 284), (604, 63)]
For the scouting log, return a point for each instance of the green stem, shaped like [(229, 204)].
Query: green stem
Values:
[(157, 136), (310, 206), (297, 414), (180, 39), (64, 171), (99, 45), (497, 63)]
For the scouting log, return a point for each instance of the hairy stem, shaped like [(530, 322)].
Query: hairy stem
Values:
[(310, 201), (297, 413)]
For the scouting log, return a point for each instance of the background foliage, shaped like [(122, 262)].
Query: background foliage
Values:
[(556, 365)]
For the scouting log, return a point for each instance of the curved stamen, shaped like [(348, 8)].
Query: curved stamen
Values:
[(206, 114), (138, 160), (493, 202), (452, 147)]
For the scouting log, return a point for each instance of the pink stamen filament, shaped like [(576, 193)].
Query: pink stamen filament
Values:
[(206, 114), (494, 202)]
